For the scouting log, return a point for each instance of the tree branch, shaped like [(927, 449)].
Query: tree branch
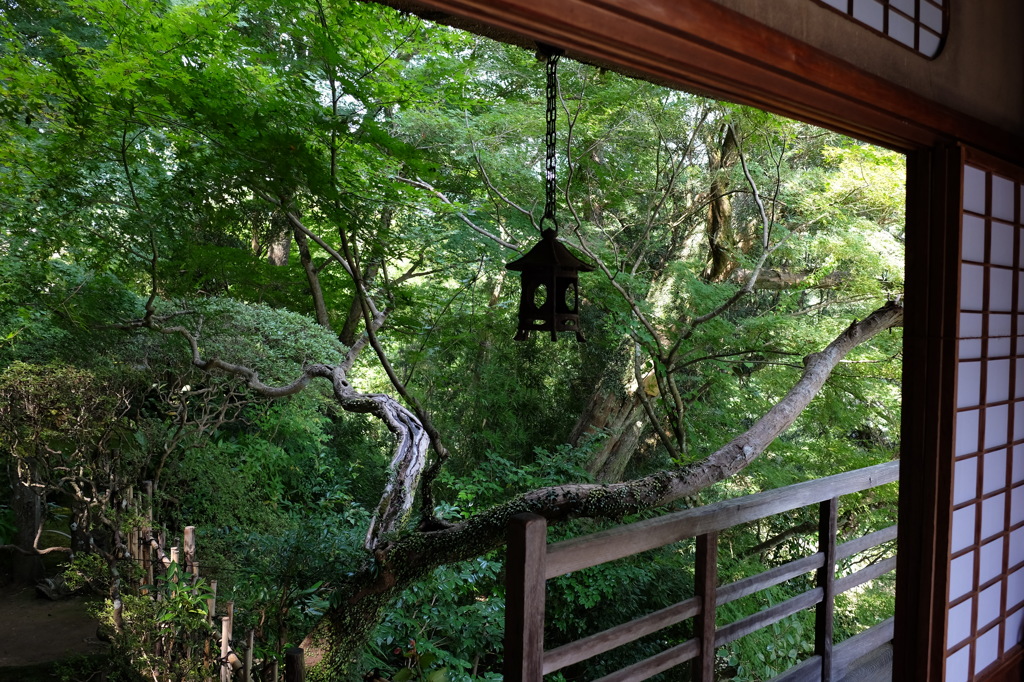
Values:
[(420, 184), (485, 531)]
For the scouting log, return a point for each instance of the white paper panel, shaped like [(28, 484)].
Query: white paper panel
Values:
[(970, 324), (931, 16), (967, 433), (958, 666), (986, 650), (974, 189), (871, 12), (1002, 242), (995, 426), (973, 239), (994, 476), (1016, 546), (1000, 292), (1002, 198), (997, 380), (963, 529), (901, 29), (1018, 463), (993, 515), (1016, 505), (965, 480), (1012, 630), (1015, 589), (961, 575), (969, 349), (972, 279), (906, 6), (959, 623), (989, 604), (968, 384), (999, 347), (990, 561), (1000, 325)]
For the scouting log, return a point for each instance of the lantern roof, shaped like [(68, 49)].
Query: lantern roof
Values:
[(549, 252)]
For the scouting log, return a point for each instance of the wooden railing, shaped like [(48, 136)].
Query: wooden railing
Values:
[(531, 561)]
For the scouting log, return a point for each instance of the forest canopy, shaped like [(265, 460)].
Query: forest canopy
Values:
[(253, 253)]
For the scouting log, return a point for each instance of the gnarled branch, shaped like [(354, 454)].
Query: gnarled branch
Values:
[(411, 439)]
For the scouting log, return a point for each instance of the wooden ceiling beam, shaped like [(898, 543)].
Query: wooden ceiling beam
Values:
[(700, 46)]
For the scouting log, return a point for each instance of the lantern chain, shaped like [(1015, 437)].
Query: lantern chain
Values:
[(551, 185)]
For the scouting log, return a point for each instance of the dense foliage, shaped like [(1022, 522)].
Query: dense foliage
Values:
[(282, 186)]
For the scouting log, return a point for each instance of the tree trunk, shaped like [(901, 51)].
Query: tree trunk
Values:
[(619, 419), (79, 527), (281, 243), (721, 236), (313, 279), (355, 309)]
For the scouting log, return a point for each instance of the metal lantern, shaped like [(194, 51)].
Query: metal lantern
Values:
[(549, 298)]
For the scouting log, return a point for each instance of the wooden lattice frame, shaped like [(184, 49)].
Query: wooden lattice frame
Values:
[(986, 568), (919, 25)]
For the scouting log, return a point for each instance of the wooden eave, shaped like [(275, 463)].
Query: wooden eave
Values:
[(703, 47)]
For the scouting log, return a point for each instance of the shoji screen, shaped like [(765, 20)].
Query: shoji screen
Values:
[(920, 25), (986, 570)]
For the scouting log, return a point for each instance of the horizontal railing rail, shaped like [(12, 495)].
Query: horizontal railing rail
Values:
[(532, 561)]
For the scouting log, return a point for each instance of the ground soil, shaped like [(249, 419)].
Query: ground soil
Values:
[(35, 631)]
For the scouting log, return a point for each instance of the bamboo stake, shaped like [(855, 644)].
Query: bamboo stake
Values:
[(147, 551), (176, 560), (189, 543), (249, 642), (211, 603), (225, 641), (211, 607)]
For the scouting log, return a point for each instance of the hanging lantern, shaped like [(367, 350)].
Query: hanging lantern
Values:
[(549, 297)]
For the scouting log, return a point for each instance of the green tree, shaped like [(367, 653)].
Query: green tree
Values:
[(160, 161)]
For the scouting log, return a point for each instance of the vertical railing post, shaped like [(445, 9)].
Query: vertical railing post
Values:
[(706, 587), (524, 598), (828, 514)]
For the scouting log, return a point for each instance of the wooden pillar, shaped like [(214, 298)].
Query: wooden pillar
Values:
[(294, 665), (524, 598), (706, 587), (824, 614)]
